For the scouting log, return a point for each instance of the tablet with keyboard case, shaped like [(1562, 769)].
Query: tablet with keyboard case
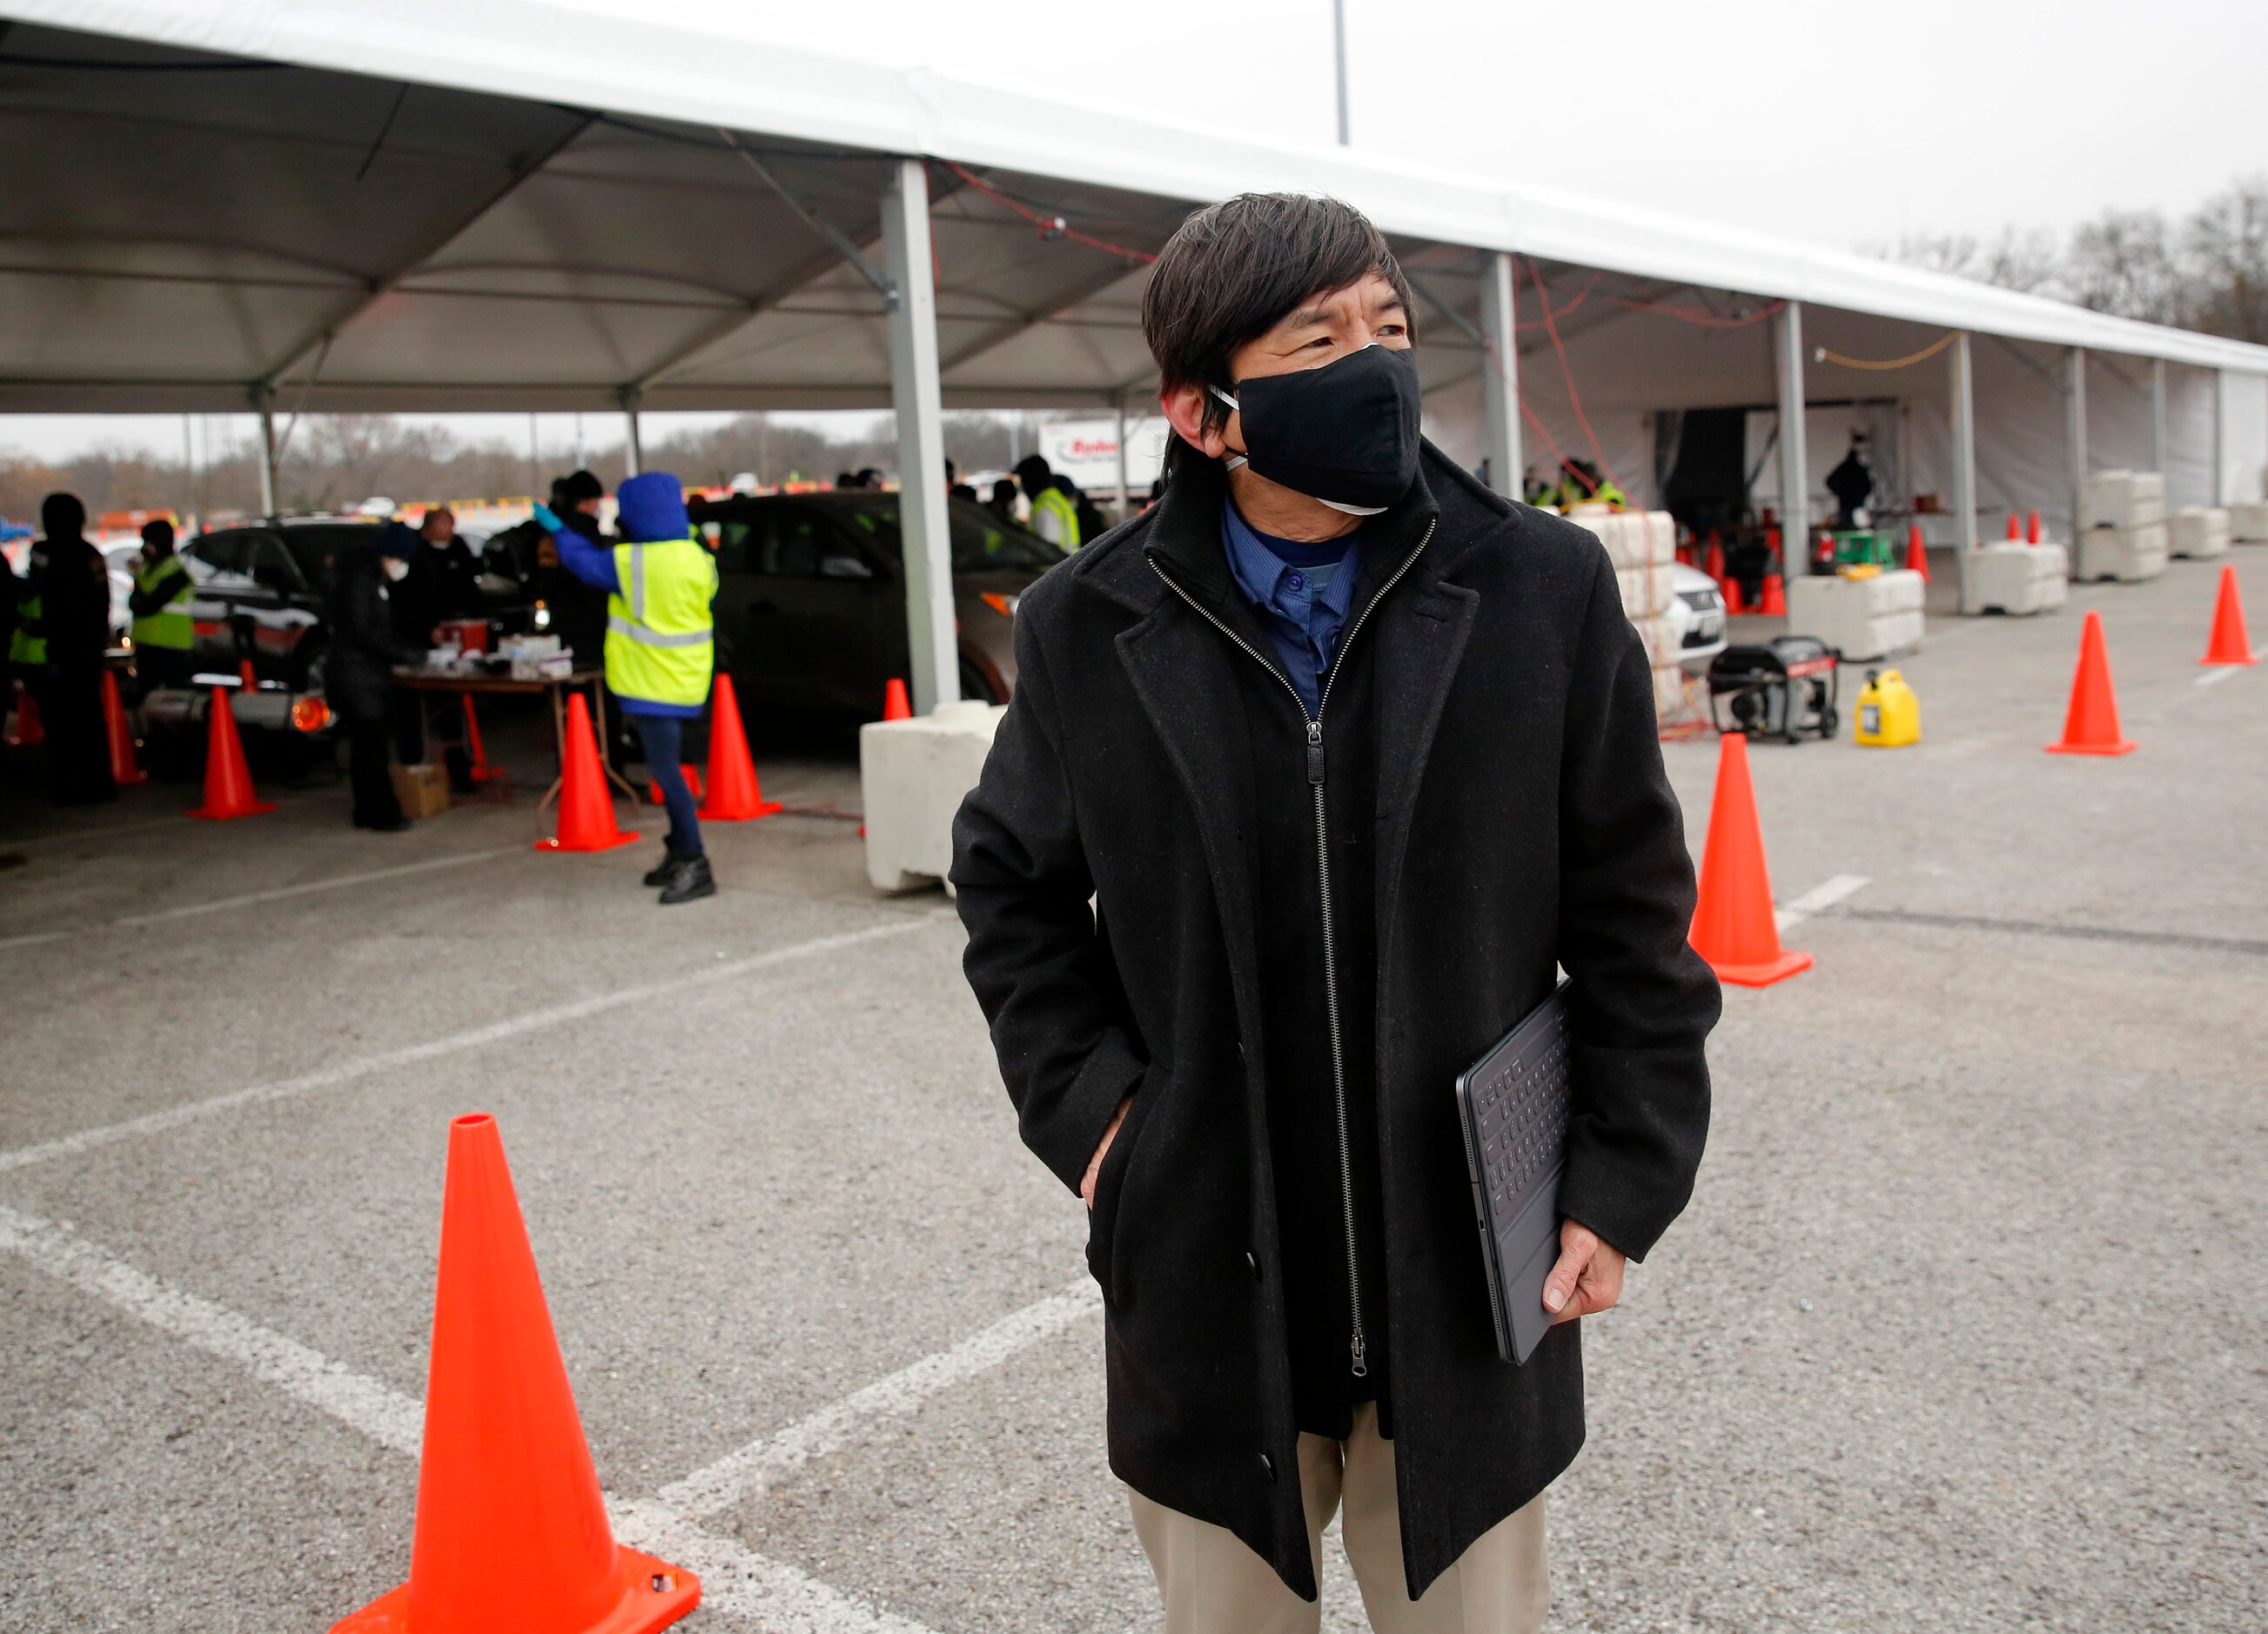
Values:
[(1514, 1105)]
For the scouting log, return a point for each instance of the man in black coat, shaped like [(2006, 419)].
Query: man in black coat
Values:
[(1348, 753), (365, 647), (74, 586), (443, 584)]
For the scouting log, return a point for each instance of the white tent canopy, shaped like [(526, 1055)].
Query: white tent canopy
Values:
[(472, 204)]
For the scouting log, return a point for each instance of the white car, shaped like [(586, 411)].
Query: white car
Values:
[(1697, 614)]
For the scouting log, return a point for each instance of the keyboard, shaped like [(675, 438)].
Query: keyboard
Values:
[(1514, 1104)]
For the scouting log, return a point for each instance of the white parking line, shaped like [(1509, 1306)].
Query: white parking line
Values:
[(340, 882), (734, 1578), (749, 1471), (1820, 898), (410, 1055), (2214, 677)]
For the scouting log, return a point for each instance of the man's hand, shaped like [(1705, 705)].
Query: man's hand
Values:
[(1095, 1163), (1588, 1279)]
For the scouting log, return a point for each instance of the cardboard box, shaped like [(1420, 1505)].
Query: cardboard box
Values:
[(423, 791)]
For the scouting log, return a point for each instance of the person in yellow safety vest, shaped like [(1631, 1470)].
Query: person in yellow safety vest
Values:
[(163, 629), (1055, 517), (1582, 485), (660, 582)]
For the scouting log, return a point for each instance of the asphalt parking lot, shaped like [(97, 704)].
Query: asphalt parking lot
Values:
[(1966, 1328)]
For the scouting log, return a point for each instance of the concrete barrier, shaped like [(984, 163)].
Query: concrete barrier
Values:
[(913, 775), (2198, 531), (2011, 577), (1863, 618), (2128, 555), (2247, 522)]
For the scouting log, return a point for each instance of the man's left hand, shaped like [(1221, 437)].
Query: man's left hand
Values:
[(1588, 1278)]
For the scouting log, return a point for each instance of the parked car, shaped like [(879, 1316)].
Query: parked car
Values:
[(811, 611), (262, 593), (1697, 613)]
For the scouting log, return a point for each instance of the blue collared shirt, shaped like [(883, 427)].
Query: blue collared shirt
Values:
[(1302, 604)]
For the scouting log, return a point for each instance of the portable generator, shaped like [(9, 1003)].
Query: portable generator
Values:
[(1786, 688)]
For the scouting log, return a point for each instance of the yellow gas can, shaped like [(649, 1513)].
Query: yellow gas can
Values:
[(1889, 715)]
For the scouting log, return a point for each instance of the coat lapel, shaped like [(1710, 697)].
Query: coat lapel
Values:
[(1421, 638)]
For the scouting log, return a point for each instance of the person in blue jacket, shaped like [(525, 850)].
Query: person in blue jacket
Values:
[(660, 582)]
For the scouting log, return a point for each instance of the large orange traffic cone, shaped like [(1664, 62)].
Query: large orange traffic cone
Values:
[(228, 780), (475, 751), (692, 775), (1917, 552), (123, 771), (734, 794), (2230, 642), (895, 706), (26, 731), (1775, 601), (1733, 924), (2090, 726), (511, 1529), (587, 810)]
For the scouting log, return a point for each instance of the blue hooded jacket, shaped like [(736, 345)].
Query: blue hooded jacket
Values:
[(648, 506)]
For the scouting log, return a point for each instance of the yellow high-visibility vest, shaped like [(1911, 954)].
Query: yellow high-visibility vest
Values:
[(28, 645), (1061, 523), (661, 637), (171, 625)]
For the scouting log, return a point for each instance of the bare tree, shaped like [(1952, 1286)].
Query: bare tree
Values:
[(2124, 262), (2226, 245)]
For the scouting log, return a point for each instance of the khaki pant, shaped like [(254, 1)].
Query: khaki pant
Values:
[(1213, 1583)]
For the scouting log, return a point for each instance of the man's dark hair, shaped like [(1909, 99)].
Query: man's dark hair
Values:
[(1035, 474), (580, 485), (62, 516), (158, 534), (1234, 268)]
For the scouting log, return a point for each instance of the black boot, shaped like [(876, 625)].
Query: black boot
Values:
[(690, 878), (659, 874)]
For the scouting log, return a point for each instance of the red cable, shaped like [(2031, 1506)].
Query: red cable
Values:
[(1046, 223), (1537, 323), (1698, 316), (1567, 372)]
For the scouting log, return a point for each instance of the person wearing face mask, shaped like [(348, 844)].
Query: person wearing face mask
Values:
[(359, 681), (1315, 772)]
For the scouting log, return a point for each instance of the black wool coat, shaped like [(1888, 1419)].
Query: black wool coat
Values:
[(358, 675), (1521, 818)]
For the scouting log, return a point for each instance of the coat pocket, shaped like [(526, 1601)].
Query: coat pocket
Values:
[(1111, 1182)]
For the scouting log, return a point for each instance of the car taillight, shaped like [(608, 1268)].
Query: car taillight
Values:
[(311, 715)]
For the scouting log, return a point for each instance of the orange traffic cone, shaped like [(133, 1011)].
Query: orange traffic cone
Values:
[(228, 780), (692, 775), (244, 677), (734, 794), (475, 751), (2090, 726), (587, 810), (1715, 560), (895, 706), (1733, 596), (1733, 924), (2031, 527), (2015, 528), (512, 1528), (123, 771), (1775, 601), (2230, 642), (26, 731), (1917, 552)]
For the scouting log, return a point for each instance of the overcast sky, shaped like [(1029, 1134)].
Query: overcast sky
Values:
[(1840, 124)]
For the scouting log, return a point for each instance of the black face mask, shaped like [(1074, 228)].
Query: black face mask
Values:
[(1345, 433)]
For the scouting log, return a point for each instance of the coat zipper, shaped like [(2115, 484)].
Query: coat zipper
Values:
[(1357, 1343)]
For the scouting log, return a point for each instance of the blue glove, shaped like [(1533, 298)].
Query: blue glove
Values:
[(549, 519)]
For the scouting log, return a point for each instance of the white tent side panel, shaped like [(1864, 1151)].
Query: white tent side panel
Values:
[(2244, 435)]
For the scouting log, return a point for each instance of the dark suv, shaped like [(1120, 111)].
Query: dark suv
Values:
[(812, 613)]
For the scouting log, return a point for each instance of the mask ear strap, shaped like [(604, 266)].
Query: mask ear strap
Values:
[(1234, 458)]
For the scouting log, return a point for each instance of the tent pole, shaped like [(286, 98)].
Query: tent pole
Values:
[(2074, 412), (1338, 45), (1500, 377), (1118, 407), (637, 445), (1794, 481), (266, 457), (1965, 464), (916, 394), (2158, 415), (2218, 488)]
